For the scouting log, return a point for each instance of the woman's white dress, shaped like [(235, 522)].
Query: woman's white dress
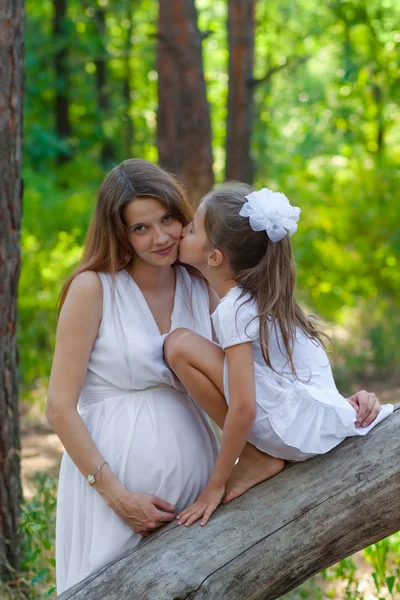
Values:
[(295, 418), (154, 437)]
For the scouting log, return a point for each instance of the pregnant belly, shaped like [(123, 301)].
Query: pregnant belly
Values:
[(156, 442)]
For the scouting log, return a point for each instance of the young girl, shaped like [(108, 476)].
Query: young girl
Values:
[(275, 374)]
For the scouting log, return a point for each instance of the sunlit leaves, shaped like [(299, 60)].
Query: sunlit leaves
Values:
[(326, 132)]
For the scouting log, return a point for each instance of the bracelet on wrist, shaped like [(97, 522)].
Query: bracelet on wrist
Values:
[(91, 478)]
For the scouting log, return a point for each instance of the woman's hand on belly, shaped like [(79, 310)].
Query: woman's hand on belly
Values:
[(142, 512)]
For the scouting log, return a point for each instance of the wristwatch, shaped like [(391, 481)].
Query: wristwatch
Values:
[(91, 479)]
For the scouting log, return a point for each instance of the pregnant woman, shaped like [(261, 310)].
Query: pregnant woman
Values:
[(138, 450)]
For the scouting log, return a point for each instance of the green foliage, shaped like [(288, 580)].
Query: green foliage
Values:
[(54, 225), (36, 579), (326, 131), (37, 529), (384, 558)]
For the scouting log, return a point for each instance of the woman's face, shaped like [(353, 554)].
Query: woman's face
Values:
[(153, 232), (194, 249)]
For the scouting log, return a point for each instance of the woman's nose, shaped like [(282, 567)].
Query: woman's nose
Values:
[(160, 236)]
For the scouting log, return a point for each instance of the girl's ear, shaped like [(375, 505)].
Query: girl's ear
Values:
[(215, 259)]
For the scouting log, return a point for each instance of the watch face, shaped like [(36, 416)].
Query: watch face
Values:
[(91, 479)]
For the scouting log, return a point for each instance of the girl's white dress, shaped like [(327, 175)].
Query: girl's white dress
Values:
[(295, 418), (154, 437)]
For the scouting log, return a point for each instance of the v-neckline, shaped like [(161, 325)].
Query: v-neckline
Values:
[(146, 304)]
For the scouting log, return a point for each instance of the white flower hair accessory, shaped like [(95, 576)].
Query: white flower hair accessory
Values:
[(271, 211)]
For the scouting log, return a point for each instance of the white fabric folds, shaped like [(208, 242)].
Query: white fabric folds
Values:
[(154, 437), (295, 418)]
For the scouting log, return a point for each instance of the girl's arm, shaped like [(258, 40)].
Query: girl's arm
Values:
[(76, 334), (241, 412), (237, 427), (367, 406)]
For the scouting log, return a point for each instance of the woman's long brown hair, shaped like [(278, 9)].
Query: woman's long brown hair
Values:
[(261, 267), (107, 248)]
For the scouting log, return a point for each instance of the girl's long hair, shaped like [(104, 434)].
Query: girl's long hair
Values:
[(107, 248), (261, 267)]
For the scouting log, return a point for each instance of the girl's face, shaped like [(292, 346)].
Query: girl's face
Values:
[(153, 232), (194, 249)]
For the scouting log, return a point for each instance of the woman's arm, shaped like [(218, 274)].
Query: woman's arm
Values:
[(76, 333)]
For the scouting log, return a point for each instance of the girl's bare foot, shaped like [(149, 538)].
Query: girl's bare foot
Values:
[(252, 468)]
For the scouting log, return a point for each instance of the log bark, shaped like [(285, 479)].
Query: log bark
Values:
[(241, 26), (183, 116), (273, 538), (11, 96)]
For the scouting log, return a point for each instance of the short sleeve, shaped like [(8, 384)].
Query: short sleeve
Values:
[(236, 319)]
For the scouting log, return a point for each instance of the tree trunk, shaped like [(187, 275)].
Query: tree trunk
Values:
[(183, 117), (241, 25), (11, 95), (103, 93), (63, 124), (274, 537), (127, 123)]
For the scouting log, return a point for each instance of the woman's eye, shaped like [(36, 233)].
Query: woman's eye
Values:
[(139, 229), (168, 218)]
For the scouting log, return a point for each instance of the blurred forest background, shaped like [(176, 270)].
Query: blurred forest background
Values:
[(311, 109), (325, 131)]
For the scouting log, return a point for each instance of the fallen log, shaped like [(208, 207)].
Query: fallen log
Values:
[(273, 538)]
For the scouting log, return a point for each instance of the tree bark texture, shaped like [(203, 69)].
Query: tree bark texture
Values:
[(274, 537), (183, 117), (11, 96), (63, 124), (241, 26)]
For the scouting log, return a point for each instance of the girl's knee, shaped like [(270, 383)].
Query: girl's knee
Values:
[(175, 345)]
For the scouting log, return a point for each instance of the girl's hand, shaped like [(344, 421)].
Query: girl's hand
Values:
[(367, 406), (204, 506), (142, 512)]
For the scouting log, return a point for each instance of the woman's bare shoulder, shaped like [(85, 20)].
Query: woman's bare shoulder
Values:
[(87, 283), (85, 294)]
